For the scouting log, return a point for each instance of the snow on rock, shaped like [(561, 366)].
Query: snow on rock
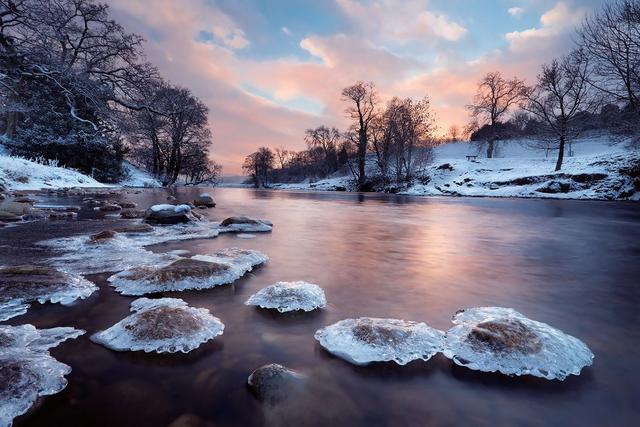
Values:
[(243, 224), (20, 285), (169, 214), (79, 254), (289, 296), (500, 339), (366, 339), (21, 174), (27, 370), (244, 259), (205, 200), (180, 275), (165, 325)]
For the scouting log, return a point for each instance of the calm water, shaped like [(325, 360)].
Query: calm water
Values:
[(574, 265)]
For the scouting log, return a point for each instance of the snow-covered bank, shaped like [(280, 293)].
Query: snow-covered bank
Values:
[(19, 174), (596, 170)]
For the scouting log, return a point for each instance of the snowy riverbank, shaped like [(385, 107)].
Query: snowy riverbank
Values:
[(597, 169)]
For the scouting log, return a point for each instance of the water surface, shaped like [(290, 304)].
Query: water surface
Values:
[(571, 264)]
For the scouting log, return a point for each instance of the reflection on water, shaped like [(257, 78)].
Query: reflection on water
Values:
[(571, 264)]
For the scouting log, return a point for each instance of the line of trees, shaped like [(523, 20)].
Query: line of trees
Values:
[(386, 144), (76, 87), (597, 84)]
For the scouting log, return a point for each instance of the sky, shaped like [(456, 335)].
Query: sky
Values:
[(269, 69)]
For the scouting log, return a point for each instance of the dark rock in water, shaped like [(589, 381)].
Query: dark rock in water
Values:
[(171, 199), (72, 208), (54, 215), (126, 205), (273, 383), (169, 214), (132, 214), (9, 217), (135, 228), (103, 235), (34, 215), (505, 336), (110, 207), (238, 220), (24, 200), (205, 200)]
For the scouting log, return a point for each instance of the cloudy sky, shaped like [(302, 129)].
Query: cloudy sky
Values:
[(269, 69)]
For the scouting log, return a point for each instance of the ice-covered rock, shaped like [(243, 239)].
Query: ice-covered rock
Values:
[(180, 275), (243, 258), (289, 296), (23, 284), (204, 199), (273, 383), (366, 339), (27, 370), (126, 249), (169, 214), (500, 339), (165, 325), (243, 224)]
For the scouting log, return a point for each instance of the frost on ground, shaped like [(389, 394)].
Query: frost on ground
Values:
[(244, 259), (23, 284), (243, 224), (366, 339), (499, 339), (198, 272), (27, 370), (289, 296), (137, 177), (165, 325), (81, 254), (21, 174)]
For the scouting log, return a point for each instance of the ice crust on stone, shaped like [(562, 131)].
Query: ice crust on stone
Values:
[(176, 208), (500, 339), (366, 339), (27, 370), (21, 285), (165, 325), (243, 258), (243, 224), (289, 296), (125, 250)]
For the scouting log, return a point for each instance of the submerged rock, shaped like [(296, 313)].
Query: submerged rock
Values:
[(132, 214), (27, 370), (165, 325), (103, 235), (23, 284), (273, 383), (244, 224), (500, 339), (135, 228), (289, 296), (169, 214), (205, 200), (110, 207), (183, 274), (366, 339)]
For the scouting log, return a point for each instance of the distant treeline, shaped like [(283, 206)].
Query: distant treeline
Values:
[(75, 87), (596, 86)]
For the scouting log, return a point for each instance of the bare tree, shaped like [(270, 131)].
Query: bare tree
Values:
[(258, 166), (362, 99), (326, 139), (282, 155), (562, 91), (454, 133), (494, 98)]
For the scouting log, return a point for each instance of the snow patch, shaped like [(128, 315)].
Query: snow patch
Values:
[(165, 325), (366, 339), (137, 177), (500, 339), (289, 296)]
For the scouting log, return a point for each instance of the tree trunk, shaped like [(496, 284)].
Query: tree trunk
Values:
[(362, 154), (560, 153), (490, 148)]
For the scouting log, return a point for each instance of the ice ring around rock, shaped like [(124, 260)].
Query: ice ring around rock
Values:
[(23, 284), (366, 339), (27, 370), (243, 258), (500, 339), (243, 224), (165, 325), (289, 296)]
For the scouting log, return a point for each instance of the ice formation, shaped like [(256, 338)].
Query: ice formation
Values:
[(366, 339), (243, 224), (20, 285), (243, 258), (165, 325), (27, 370), (500, 339), (289, 296), (80, 254)]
